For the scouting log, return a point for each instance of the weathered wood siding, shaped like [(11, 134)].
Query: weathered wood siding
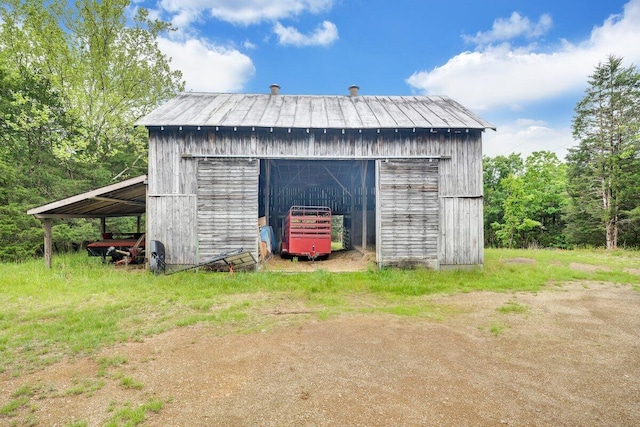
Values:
[(450, 217), (461, 170), (298, 143), (171, 220), (461, 208), (172, 199), (461, 232), (227, 206), (407, 213)]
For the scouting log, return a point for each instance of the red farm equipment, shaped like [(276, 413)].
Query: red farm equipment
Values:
[(307, 232)]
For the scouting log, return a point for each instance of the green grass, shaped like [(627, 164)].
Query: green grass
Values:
[(496, 329), (11, 408), (87, 386), (80, 305), (129, 416), (131, 384), (511, 307)]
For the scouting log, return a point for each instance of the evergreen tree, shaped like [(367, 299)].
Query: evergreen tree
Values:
[(603, 169)]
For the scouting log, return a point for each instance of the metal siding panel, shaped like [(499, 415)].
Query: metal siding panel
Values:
[(419, 119), (350, 114), (367, 116), (319, 118), (302, 118), (357, 112), (395, 112), (257, 110), (237, 116), (287, 115), (209, 110), (380, 110), (271, 112), (335, 117)]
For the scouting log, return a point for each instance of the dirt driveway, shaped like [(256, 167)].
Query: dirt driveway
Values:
[(566, 356)]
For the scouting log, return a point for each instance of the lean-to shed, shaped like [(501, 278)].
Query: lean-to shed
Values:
[(404, 172)]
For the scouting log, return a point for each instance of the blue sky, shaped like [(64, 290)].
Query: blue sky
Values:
[(520, 64)]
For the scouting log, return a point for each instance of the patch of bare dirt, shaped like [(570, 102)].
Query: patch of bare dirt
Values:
[(568, 357), (589, 268), (352, 260)]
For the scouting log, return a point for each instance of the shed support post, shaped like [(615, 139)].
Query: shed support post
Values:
[(46, 223), (103, 225), (138, 225), (364, 204)]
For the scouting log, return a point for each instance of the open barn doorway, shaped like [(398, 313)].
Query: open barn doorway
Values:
[(347, 187)]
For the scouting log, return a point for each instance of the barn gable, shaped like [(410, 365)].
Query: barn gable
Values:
[(405, 173)]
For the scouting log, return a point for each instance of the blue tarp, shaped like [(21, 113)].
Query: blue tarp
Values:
[(269, 237)]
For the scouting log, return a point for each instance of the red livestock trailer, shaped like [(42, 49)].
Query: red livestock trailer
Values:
[(307, 232)]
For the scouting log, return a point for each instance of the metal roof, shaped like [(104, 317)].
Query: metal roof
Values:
[(127, 198), (313, 112)]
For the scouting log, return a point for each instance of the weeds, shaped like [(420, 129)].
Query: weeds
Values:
[(11, 408), (130, 384), (86, 385), (130, 416), (104, 363), (496, 329), (511, 307)]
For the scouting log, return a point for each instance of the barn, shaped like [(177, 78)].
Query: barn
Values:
[(403, 172)]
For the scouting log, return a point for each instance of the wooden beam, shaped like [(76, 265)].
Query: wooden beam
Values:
[(122, 201), (113, 215), (267, 189), (364, 204), (46, 223), (336, 180)]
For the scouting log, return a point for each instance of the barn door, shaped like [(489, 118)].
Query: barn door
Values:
[(407, 212), (227, 206)]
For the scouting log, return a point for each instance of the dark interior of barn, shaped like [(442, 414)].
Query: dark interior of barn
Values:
[(345, 186)]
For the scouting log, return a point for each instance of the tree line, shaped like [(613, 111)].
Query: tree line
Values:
[(593, 198), (75, 76)]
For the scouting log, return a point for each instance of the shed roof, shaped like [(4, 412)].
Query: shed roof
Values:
[(126, 198), (313, 112)]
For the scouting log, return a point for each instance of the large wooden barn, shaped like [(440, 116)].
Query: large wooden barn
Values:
[(404, 172)]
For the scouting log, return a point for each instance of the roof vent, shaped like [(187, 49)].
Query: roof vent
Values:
[(275, 89), (353, 90)]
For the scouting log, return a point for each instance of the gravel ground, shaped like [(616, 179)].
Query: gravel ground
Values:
[(569, 357)]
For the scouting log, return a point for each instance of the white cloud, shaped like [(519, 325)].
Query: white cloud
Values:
[(244, 12), (508, 29), (324, 35), (525, 137), (207, 67), (504, 76)]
